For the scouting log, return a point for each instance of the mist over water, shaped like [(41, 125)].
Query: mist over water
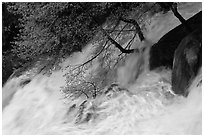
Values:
[(140, 103), (136, 64)]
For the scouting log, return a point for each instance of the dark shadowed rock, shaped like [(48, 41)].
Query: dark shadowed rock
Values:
[(187, 61), (162, 53)]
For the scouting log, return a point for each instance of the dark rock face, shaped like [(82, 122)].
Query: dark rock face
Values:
[(162, 53), (187, 61)]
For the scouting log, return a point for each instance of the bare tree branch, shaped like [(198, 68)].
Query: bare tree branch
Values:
[(178, 15), (117, 36), (109, 38), (115, 43), (137, 27), (84, 93), (129, 44), (103, 48), (117, 23), (94, 57), (109, 31), (146, 10), (94, 86)]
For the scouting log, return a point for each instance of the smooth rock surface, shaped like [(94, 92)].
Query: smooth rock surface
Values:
[(187, 61)]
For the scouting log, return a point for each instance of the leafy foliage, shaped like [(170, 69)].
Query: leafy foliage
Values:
[(58, 29), (10, 27), (10, 31)]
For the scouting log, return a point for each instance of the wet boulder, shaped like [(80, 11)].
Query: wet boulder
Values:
[(162, 52), (187, 61)]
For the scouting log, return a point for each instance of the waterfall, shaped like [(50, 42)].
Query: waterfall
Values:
[(139, 102)]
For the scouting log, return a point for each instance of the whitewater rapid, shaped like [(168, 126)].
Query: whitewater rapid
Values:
[(147, 108)]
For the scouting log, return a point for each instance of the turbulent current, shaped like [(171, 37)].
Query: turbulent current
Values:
[(140, 102)]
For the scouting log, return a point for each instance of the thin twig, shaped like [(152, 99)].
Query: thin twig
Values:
[(110, 31)]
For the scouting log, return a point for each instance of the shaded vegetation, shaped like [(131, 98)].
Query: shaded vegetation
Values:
[(54, 31), (62, 28)]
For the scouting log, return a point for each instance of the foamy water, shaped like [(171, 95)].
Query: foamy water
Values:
[(141, 102), (148, 108)]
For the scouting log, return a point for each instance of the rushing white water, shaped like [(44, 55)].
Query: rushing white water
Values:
[(147, 107), (140, 103)]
